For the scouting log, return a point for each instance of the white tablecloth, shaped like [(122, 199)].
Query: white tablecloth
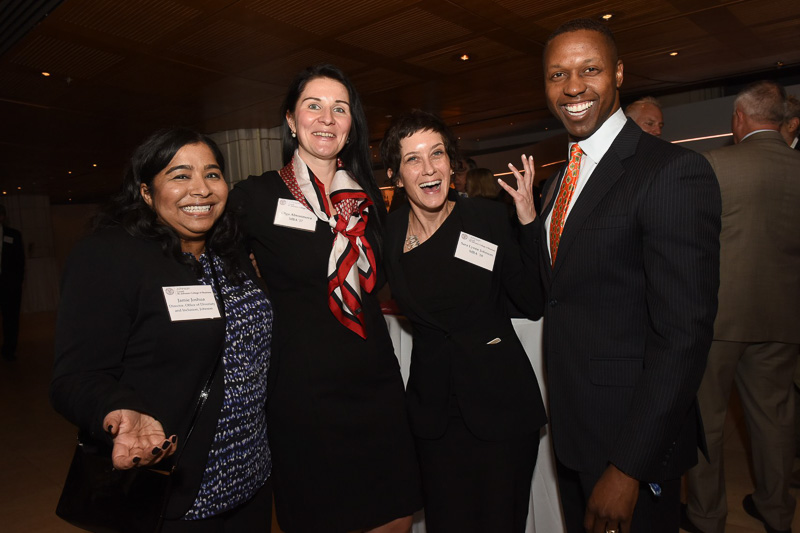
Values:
[(544, 513)]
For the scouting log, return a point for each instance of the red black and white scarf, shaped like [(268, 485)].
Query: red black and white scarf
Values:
[(351, 265)]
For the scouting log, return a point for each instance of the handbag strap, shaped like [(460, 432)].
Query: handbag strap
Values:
[(206, 391)]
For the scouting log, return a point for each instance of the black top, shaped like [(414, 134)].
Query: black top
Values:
[(457, 309), (437, 286)]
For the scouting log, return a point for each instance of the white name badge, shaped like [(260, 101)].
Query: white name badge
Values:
[(477, 251), (293, 214), (191, 302), (9, 240)]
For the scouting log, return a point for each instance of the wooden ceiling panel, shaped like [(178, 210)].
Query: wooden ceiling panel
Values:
[(671, 35), (164, 79), (324, 18), (482, 51), (232, 44), (124, 68), (281, 69), (528, 9), (142, 21), (405, 32), (263, 114), (57, 56), (29, 87), (553, 13), (767, 12), (229, 95), (380, 79)]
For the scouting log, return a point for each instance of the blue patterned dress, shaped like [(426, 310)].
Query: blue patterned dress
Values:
[(239, 461)]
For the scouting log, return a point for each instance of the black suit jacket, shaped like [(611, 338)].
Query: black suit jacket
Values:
[(630, 309), (12, 268), (116, 348), (496, 388)]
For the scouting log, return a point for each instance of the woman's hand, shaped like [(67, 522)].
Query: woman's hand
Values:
[(523, 194), (139, 439)]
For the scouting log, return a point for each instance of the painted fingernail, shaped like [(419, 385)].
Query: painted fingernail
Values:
[(174, 439), (156, 450), (166, 444), (110, 427), (136, 460)]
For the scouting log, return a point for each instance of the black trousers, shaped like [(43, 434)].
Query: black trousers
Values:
[(471, 485), (255, 516), (652, 514), (10, 302)]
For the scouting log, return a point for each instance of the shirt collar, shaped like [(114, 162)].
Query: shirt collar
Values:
[(754, 132), (597, 144)]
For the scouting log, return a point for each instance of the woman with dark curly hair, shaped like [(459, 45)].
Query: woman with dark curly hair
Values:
[(132, 358), (344, 456)]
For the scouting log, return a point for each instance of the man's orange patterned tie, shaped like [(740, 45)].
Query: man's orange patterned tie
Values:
[(563, 199)]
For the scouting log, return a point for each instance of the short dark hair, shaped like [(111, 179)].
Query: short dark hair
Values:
[(355, 154), (407, 125), (129, 211), (762, 101), (586, 24)]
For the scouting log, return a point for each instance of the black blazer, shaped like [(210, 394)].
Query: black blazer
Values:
[(12, 269), (630, 309), (116, 348), (497, 391)]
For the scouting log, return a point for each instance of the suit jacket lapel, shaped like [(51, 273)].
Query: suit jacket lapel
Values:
[(548, 200), (608, 171)]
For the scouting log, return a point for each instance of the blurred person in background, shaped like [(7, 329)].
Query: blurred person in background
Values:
[(646, 113)]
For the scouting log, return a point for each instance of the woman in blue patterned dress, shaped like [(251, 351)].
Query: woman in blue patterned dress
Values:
[(131, 360)]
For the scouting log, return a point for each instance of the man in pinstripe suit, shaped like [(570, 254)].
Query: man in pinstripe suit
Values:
[(631, 297)]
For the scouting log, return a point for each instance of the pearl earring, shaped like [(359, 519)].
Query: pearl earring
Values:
[(294, 135)]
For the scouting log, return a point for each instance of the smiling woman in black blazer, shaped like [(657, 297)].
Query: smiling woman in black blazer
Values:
[(128, 370), (473, 398)]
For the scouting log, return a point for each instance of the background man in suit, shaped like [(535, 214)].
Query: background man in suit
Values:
[(631, 296), (12, 271), (790, 127), (756, 334), (646, 113)]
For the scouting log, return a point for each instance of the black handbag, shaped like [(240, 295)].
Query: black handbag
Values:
[(99, 498)]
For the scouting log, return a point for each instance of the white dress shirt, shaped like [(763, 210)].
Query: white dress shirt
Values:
[(594, 148)]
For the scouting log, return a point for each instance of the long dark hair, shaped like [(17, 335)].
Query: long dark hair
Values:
[(128, 210), (355, 154)]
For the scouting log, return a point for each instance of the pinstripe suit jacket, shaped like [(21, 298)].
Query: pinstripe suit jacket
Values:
[(630, 306)]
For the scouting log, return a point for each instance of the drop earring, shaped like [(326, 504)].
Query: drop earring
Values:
[(294, 135)]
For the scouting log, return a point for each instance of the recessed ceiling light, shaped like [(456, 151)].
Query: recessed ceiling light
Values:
[(607, 16), (19, 188), (673, 54), (45, 74), (69, 172), (464, 57), (94, 164)]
